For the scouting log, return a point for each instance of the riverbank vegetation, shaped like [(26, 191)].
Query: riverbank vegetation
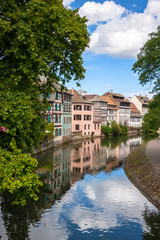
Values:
[(39, 39), (114, 129), (148, 68)]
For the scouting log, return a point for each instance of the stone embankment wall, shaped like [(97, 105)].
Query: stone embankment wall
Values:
[(144, 175)]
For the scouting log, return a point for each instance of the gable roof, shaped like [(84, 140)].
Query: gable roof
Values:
[(77, 98), (143, 100), (95, 98), (134, 109)]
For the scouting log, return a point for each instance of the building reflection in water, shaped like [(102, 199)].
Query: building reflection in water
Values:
[(92, 156), (61, 167)]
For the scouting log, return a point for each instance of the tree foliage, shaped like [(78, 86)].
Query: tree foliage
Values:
[(115, 129), (16, 174), (148, 64), (22, 115), (151, 120), (40, 37)]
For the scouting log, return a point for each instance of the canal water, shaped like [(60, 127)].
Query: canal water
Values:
[(86, 195)]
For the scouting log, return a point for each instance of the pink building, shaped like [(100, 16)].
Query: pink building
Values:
[(83, 123)]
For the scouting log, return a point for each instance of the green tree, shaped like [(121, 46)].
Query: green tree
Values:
[(151, 121), (148, 68), (148, 63), (106, 130), (124, 129), (40, 38), (22, 115), (17, 176), (115, 128)]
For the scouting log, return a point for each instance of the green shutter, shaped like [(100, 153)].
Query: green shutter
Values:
[(56, 96), (48, 95), (49, 118), (56, 107), (59, 107), (60, 118), (49, 107)]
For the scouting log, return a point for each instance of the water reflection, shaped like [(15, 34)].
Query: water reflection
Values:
[(86, 195)]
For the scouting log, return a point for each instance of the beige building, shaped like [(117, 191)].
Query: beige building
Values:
[(136, 117), (123, 107), (111, 109), (99, 109)]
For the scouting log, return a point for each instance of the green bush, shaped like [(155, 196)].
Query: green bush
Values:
[(115, 128), (124, 129), (17, 175), (106, 130)]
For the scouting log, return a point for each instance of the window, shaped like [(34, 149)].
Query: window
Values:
[(77, 117), (87, 117), (56, 106), (110, 111), (56, 95), (87, 108), (56, 118), (84, 126), (95, 126), (77, 107), (88, 126), (59, 132), (56, 132), (77, 127), (64, 120)]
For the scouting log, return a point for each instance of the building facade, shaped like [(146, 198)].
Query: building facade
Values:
[(111, 110), (141, 102), (66, 116), (123, 107), (136, 117), (83, 123), (99, 108)]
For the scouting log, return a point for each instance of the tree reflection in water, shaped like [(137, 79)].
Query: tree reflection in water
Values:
[(152, 220)]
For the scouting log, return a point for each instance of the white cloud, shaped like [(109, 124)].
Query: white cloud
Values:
[(97, 12), (67, 2), (120, 33)]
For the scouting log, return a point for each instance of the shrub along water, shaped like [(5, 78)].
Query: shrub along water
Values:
[(114, 129)]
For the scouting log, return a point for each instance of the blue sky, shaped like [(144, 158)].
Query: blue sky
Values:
[(118, 29)]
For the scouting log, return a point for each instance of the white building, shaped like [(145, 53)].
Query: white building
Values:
[(141, 103)]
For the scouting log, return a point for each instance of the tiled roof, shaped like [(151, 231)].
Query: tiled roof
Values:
[(89, 97), (94, 98), (143, 100), (113, 94), (78, 98), (110, 102), (134, 109)]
